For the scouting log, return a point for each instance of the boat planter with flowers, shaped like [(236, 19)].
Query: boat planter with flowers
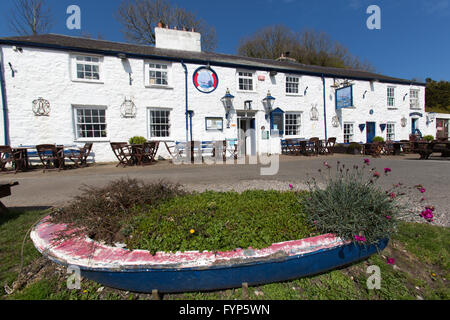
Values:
[(140, 271)]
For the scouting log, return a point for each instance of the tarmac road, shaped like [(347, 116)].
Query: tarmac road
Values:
[(38, 189)]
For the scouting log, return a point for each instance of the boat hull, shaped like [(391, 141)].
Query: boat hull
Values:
[(138, 271), (233, 276)]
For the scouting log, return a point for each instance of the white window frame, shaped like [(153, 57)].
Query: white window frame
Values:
[(390, 93), (287, 82), (350, 134), (390, 133), (150, 119), (75, 62), (246, 76), (414, 102), (75, 122), (148, 69), (298, 125)]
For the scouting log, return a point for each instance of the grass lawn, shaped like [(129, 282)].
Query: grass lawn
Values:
[(421, 271)]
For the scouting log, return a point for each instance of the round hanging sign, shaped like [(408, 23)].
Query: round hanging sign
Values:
[(205, 80)]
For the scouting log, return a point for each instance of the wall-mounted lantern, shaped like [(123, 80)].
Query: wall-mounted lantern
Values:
[(41, 107), (306, 90), (227, 101), (268, 103), (404, 97)]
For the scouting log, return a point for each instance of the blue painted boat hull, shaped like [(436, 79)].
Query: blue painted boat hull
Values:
[(173, 280)]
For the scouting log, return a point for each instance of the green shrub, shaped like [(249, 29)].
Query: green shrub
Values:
[(103, 212), (378, 139), (137, 140), (428, 138), (354, 146), (352, 205)]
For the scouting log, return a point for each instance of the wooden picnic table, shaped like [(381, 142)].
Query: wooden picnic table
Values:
[(425, 148)]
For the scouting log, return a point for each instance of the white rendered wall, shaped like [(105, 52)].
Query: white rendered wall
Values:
[(47, 74)]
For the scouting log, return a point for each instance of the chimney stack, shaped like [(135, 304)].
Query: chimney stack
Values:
[(185, 40)]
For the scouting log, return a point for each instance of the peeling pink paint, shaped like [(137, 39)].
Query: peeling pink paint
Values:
[(85, 252)]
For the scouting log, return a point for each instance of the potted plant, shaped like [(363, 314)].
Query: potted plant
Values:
[(428, 138), (378, 139), (137, 140)]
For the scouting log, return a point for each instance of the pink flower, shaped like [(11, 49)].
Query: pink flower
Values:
[(427, 214), (360, 238), (392, 195), (390, 261), (388, 217), (366, 161), (386, 170), (291, 187), (423, 199), (376, 174), (422, 190)]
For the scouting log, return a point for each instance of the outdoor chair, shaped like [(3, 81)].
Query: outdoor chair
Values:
[(284, 146), (232, 148), (389, 148), (147, 152), (375, 149), (321, 147), (7, 155), (79, 156), (406, 146), (51, 156), (330, 144), (123, 152), (312, 146)]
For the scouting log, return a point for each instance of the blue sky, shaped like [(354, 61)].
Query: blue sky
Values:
[(413, 42)]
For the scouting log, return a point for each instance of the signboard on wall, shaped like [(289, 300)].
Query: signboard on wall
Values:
[(344, 97), (213, 123), (205, 79)]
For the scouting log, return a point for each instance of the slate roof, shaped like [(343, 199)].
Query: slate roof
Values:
[(79, 44)]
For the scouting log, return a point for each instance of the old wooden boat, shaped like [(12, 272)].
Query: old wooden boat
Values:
[(139, 271)]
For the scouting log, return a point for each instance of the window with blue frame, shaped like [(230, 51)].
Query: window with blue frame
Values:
[(277, 121)]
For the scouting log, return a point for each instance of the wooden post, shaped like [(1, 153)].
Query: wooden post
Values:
[(245, 291), (155, 295)]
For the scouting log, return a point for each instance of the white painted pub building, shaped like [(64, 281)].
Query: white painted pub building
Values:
[(69, 90)]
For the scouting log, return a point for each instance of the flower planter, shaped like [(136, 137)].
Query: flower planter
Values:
[(139, 271)]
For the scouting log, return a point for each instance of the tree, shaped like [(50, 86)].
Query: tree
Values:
[(30, 17), (308, 47), (139, 18), (437, 96)]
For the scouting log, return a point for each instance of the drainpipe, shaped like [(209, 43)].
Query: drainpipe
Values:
[(4, 102), (324, 107), (190, 123), (186, 98)]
